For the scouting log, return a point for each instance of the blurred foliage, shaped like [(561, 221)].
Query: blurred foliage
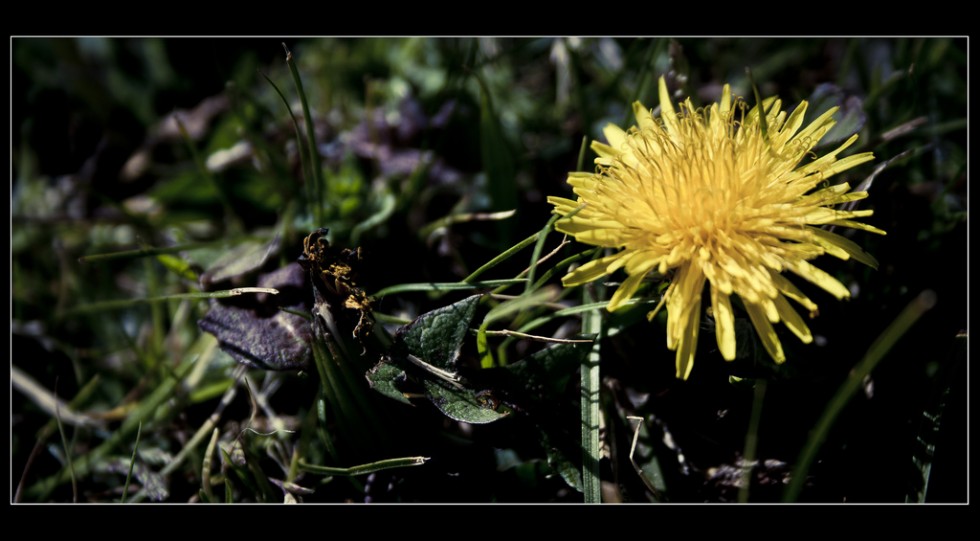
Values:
[(420, 141)]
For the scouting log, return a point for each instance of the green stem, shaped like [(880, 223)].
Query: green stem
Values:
[(751, 440)]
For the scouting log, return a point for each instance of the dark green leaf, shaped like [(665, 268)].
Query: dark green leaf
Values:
[(436, 337), (384, 378), (559, 461), (545, 374), (462, 404), (538, 383)]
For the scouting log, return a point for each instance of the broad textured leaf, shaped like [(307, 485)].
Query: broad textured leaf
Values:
[(462, 404), (437, 336), (540, 382), (280, 342), (385, 378), (255, 332), (559, 461), (242, 259), (545, 374)]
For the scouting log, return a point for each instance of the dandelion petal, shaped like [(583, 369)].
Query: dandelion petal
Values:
[(703, 195)]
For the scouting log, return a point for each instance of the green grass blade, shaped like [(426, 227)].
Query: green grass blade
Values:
[(48, 429), (385, 210), (144, 252), (206, 467), (502, 310), (147, 409), (591, 324), (763, 120), (503, 256), (580, 163), (350, 425), (538, 247), (497, 157), (445, 286), (126, 303), (644, 77), (364, 469), (132, 462), (315, 167), (589, 306), (464, 217), (565, 263), (68, 458), (915, 309), (208, 424), (304, 159)]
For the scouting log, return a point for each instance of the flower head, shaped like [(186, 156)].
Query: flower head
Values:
[(722, 196)]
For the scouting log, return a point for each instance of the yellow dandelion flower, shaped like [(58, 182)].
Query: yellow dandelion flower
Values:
[(716, 195)]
